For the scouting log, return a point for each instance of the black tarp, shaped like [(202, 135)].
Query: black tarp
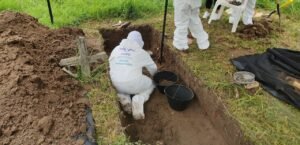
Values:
[(89, 137), (277, 70)]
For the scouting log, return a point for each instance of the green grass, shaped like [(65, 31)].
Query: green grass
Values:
[(293, 9), (105, 108), (72, 12), (264, 119)]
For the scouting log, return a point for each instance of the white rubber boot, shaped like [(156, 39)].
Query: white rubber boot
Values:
[(203, 42), (138, 107), (204, 45), (247, 21)]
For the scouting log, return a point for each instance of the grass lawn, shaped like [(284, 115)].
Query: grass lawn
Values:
[(73, 12), (264, 119)]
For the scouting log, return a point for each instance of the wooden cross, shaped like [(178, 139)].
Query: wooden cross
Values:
[(83, 60)]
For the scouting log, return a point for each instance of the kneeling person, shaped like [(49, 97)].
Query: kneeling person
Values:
[(126, 72)]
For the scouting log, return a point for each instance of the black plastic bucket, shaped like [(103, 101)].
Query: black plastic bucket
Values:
[(164, 79), (179, 96)]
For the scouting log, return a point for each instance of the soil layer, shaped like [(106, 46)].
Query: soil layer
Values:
[(39, 103), (165, 126)]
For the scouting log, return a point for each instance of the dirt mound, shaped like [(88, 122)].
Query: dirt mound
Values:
[(260, 29), (38, 102)]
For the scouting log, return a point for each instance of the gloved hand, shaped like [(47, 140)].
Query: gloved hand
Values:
[(152, 69)]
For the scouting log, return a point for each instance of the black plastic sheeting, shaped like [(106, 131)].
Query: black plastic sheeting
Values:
[(275, 70), (90, 134)]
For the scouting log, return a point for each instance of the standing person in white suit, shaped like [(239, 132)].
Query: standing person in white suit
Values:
[(247, 15), (126, 63), (187, 18), (249, 12)]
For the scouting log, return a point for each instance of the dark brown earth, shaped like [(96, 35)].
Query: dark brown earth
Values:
[(168, 127), (165, 83), (39, 103), (162, 125), (260, 29)]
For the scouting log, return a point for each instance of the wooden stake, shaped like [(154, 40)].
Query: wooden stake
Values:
[(74, 61), (69, 72), (83, 58)]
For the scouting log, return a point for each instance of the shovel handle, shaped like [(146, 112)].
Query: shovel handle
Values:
[(271, 13)]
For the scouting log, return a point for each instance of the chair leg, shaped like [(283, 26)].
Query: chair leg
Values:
[(213, 12), (220, 13), (237, 18)]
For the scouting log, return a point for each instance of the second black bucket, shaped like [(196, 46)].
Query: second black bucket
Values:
[(164, 79), (179, 96)]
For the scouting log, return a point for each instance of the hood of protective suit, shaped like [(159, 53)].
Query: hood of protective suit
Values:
[(136, 37)]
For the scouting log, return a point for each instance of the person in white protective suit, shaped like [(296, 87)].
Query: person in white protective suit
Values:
[(247, 15), (187, 17), (126, 63)]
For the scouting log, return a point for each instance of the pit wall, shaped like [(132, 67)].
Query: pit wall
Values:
[(210, 103)]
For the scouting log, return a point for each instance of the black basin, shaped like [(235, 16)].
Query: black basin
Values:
[(179, 96), (164, 79)]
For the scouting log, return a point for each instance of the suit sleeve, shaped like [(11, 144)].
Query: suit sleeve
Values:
[(150, 65)]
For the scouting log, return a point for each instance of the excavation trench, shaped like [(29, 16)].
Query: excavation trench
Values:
[(204, 122)]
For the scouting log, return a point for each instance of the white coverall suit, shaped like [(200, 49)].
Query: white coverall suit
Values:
[(187, 17), (126, 63), (249, 12), (247, 15)]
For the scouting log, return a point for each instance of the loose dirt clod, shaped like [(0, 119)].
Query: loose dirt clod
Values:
[(34, 91), (165, 83), (45, 124), (260, 29), (41, 140)]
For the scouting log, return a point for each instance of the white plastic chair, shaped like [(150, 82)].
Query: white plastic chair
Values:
[(237, 11)]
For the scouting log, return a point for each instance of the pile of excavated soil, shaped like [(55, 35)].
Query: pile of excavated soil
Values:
[(260, 29), (39, 103)]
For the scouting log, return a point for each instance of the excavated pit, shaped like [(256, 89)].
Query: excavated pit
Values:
[(204, 122)]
